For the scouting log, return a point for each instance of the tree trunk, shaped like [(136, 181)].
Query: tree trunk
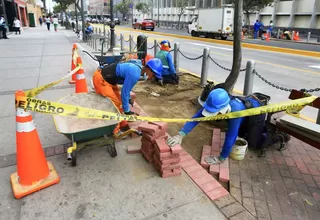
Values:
[(237, 51), (179, 21), (248, 21)]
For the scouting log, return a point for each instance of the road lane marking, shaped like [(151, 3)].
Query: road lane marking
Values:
[(206, 45), (317, 67)]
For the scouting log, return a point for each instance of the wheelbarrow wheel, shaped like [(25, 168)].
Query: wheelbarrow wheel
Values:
[(112, 150), (73, 159)]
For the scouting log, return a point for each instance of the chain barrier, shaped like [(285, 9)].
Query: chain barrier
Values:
[(171, 50), (283, 88), (150, 48), (222, 67), (189, 58), (126, 40), (118, 39)]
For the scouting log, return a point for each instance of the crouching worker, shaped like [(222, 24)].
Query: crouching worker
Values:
[(168, 74), (219, 102), (107, 78)]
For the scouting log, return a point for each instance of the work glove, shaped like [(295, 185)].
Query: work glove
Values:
[(129, 113), (131, 102), (177, 139), (160, 81)]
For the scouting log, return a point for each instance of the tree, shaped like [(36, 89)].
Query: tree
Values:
[(237, 50), (63, 4), (123, 7), (143, 8), (250, 6), (57, 9), (181, 4)]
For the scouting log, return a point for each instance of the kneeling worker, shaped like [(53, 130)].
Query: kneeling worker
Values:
[(107, 78), (219, 102), (168, 74)]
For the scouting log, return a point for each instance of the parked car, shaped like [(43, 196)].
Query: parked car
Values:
[(117, 21), (145, 24)]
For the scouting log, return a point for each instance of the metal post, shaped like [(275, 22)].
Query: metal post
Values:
[(248, 80), (104, 29), (318, 117), (121, 42), (176, 56), (112, 26), (158, 13), (278, 34), (130, 42), (109, 38), (309, 36), (156, 49), (84, 37), (205, 66)]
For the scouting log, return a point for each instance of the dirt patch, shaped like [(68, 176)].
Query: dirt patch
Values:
[(176, 101)]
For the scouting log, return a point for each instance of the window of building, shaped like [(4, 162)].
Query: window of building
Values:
[(192, 3), (164, 3), (169, 3), (174, 3), (201, 3), (208, 3)]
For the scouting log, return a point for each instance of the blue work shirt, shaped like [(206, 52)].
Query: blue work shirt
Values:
[(233, 124), (129, 74), (168, 66), (257, 26)]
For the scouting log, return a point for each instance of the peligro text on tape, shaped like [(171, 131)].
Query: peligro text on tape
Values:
[(36, 91), (55, 108)]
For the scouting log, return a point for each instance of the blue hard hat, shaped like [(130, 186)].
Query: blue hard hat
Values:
[(166, 43), (155, 65), (217, 101)]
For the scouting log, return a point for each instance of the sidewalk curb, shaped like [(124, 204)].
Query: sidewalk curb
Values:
[(230, 43)]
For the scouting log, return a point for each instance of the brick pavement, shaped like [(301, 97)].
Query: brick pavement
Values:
[(284, 185)]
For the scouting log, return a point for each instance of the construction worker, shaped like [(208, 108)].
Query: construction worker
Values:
[(219, 102), (168, 74), (257, 29), (106, 80)]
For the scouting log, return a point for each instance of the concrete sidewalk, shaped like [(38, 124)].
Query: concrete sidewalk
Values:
[(100, 187)]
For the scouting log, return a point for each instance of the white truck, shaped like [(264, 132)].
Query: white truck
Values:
[(212, 23)]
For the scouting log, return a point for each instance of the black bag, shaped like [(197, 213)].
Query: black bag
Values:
[(108, 73)]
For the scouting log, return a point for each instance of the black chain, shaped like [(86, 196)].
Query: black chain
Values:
[(171, 50), (126, 40), (150, 48), (222, 67), (189, 58), (270, 83), (310, 90)]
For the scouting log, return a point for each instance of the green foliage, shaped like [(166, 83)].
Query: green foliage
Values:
[(123, 7), (57, 9), (143, 8), (64, 4), (255, 5)]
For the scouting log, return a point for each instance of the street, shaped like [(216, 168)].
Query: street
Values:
[(283, 70)]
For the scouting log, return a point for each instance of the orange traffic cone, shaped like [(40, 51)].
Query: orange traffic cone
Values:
[(74, 63), (242, 35), (296, 36), (81, 82), (34, 172), (267, 36)]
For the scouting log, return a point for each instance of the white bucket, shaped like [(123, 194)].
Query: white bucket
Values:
[(239, 149), (116, 51)]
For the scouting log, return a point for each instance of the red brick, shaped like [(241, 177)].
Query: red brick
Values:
[(216, 131), (192, 168), (209, 186), (176, 149), (133, 149), (302, 168), (222, 136), (148, 158), (171, 161), (215, 153), (148, 128), (217, 193), (186, 158), (313, 155), (197, 173), (224, 174), (161, 125), (165, 155), (313, 170), (292, 148), (206, 149), (203, 179), (203, 163), (301, 150), (289, 161), (171, 174), (175, 170), (214, 169), (162, 145), (135, 110), (183, 152), (188, 163), (147, 149), (296, 157), (279, 159), (317, 179)]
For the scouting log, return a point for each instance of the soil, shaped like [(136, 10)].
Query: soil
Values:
[(67, 125), (176, 101)]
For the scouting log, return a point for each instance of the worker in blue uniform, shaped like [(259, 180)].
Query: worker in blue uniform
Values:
[(168, 74), (106, 80), (257, 28), (219, 102)]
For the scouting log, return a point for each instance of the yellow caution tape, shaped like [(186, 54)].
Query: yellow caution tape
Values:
[(36, 91), (55, 108)]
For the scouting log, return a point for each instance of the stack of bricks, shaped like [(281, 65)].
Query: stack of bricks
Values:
[(155, 149), (150, 133), (222, 170)]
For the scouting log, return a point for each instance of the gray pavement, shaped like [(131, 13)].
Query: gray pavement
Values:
[(285, 70), (100, 187)]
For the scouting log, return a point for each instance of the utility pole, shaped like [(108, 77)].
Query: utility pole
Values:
[(112, 25), (158, 13), (84, 37)]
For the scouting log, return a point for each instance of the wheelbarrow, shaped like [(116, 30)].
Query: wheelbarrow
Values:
[(86, 133)]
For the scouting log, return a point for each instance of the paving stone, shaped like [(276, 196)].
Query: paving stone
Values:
[(288, 217), (262, 209), (298, 205), (302, 187), (274, 171), (289, 161), (306, 159), (258, 192), (295, 173), (284, 171), (224, 201), (297, 158), (236, 193), (313, 155), (309, 180), (313, 170), (246, 190), (248, 203), (245, 215), (279, 159), (49, 151), (317, 179), (276, 216), (232, 209), (263, 169), (286, 153), (313, 215), (303, 168), (235, 180), (8, 160)]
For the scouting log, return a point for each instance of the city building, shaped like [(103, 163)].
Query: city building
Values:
[(284, 13), (99, 7), (35, 10)]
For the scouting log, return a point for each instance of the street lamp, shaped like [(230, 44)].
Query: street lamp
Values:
[(112, 26)]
